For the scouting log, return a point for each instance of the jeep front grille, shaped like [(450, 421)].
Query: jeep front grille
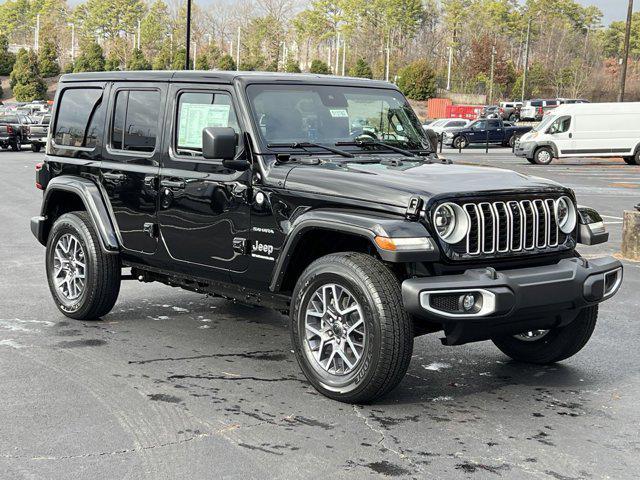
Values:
[(510, 227)]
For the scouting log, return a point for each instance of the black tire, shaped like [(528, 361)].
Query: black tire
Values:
[(531, 161), (512, 141), (460, 142), (102, 270), (513, 118), (388, 345), (543, 156), (36, 147), (634, 160), (16, 146), (558, 344)]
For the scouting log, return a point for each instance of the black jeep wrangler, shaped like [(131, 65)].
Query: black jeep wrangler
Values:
[(317, 196)]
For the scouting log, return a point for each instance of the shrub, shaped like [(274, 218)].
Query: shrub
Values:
[(226, 62), (417, 80), (48, 60), (361, 69), (137, 61), (25, 78), (91, 59), (320, 67)]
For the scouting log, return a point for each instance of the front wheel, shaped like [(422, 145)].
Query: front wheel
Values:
[(83, 279), (460, 142), (35, 147), (543, 156), (550, 346), (634, 160), (16, 146), (351, 335)]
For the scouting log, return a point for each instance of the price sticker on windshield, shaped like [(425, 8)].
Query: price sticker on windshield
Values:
[(339, 113)]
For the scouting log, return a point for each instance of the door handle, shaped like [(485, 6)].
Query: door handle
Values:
[(119, 177), (172, 183), (571, 135)]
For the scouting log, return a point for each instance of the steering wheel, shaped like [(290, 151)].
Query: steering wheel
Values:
[(362, 133)]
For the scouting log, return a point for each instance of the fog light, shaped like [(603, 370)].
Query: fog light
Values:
[(468, 302)]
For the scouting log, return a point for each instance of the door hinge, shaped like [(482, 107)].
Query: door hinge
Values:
[(240, 245), (150, 229)]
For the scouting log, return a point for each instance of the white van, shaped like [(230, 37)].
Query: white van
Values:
[(584, 130)]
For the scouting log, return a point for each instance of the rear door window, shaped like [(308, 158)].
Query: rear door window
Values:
[(135, 120), (78, 118), (494, 124)]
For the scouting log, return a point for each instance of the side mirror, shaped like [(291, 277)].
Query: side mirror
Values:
[(219, 143), (591, 229)]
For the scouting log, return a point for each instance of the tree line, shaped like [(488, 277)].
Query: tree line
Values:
[(423, 45)]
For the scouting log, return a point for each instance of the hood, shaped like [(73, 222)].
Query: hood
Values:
[(395, 185)]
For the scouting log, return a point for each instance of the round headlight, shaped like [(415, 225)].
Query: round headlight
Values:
[(451, 222), (566, 215)]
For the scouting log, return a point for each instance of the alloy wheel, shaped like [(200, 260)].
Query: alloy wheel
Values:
[(335, 331), (69, 267)]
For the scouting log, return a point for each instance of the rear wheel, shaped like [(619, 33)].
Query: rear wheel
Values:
[(512, 141), (83, 279), (17, 145), (635, 160), (550, 346), (543, 156), (35, 147), (350, 333)]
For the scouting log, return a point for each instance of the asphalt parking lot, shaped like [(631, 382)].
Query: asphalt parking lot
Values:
[(177, 385)]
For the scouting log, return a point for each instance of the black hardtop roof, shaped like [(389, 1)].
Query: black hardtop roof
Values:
[(220, 76)]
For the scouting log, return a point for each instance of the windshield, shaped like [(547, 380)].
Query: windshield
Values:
[(328, 115), (546, 121)]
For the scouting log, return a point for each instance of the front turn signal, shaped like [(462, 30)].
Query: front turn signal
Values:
[(423, 244)]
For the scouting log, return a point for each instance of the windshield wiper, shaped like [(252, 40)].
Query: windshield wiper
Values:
[(360, 143), (305, 145)]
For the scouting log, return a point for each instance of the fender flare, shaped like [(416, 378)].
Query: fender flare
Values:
[(364, 224), (551, 145), (94, 204)]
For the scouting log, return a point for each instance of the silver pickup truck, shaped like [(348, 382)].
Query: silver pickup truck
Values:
[(36, 133)]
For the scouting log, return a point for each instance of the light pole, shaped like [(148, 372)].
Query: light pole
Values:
[(186, 60), (138, 35), (625, 58), (493, 62), (526, 61)]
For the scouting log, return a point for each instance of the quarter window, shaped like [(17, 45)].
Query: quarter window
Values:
[(79, 117), (197, 111), (135, 120)]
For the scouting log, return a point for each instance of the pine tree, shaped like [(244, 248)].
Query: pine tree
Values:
[(202, 62), (91, 59), (7, 59), (179, 59), (112, 64), (318, 66), (226, 63), (291, 66), (361, 69), (48, 60), (25, 78), (137, 61)]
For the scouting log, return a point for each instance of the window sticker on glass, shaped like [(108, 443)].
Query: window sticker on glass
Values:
[(339, 113), (194, 117)]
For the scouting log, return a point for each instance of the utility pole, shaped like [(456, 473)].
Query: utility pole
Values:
[(344, 55), (73, 41), (337, 64), (186, 57), (138, 35), (493, 62), (238, 51), (526, 61), (625, 58), (449, 67), (36, 39), (195, 54), (386, 70)]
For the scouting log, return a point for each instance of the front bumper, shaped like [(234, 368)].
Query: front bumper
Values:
[(513, 301), (524, 149)]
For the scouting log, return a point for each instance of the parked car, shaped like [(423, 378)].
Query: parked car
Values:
[(585, 130), (485, 131), (36, 133), (510, 111), (447, 124), (571, 101), (490, 111), (12, 130), (535, 109), (365, 239)]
